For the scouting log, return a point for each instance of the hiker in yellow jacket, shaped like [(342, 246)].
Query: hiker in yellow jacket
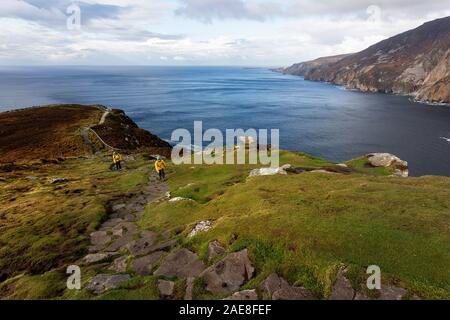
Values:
[(117, 158), (160, 166)]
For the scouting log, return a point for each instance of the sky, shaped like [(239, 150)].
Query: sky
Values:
[(200, 32)]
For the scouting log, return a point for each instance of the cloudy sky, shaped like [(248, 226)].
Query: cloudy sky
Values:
[(200, 32)]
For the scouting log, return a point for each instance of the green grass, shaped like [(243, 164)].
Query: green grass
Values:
[(44, 226), (302, 226), (305, 225)]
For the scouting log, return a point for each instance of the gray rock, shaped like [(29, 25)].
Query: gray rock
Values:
[(111, 223), (118, 207), (215, 249), (143, 245), (165, 288), (202, 226), (182, 264), (277, 288), (229, 274), (102, 282), (391, 293), (385, 293), (243, 295), (119, 265), (189, 288), (100, 238), (342, 289), (99, 257), (164, 245), (143, 266), (120, 243)]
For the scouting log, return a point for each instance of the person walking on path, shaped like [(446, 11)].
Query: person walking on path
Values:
[(160, 166), (117, 158)]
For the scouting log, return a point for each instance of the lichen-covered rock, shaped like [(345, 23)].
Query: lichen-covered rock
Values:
[(215, 249), (277, 288), (243, 295), (182, 264), (144, 265), (166, 288), (119, 264), (229, 274), (202, 226), (98, 257), (103, 282), (342, 289), (143, 245)]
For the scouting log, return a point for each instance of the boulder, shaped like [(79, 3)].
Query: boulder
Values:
[(215, 249), (119, 265), (143, 245), (102, 282), (243, 295), (389, 161), (202, 226), (143, 266), (98, 257), (267, 172), (385, 293), (342, 289), (100, 238), (165, 288), (277, 288), (182, 264), (229, 274)]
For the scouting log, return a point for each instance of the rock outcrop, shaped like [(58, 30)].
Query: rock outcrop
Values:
[(229, 274), (416, 62), (102, 282), (182, 264), (243, 295), (388, 160), (277, 288)]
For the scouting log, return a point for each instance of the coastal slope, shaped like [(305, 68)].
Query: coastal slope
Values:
[(416, 62), (65, 131)]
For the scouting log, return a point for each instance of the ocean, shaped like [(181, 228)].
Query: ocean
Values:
[(317, 118)]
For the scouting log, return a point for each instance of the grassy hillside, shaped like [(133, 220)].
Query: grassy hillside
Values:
[(303, 226)]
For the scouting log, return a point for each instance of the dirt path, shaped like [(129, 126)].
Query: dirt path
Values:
[(85, 134), (103, 118)]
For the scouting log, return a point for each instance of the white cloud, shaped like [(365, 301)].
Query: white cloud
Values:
[(261, 32)]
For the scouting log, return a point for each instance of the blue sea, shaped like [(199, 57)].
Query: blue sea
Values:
[(318, 118)]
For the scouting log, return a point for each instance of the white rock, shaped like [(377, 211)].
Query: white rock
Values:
[(385, 160), (176, 199), (267, 172), (202, 226)]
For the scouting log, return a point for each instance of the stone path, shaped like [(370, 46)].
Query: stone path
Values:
[(120, 245)]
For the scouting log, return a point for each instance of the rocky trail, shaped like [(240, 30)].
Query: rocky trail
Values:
[(121, 250)]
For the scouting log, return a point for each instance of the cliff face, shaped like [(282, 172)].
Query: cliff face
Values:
[(416, 62)]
